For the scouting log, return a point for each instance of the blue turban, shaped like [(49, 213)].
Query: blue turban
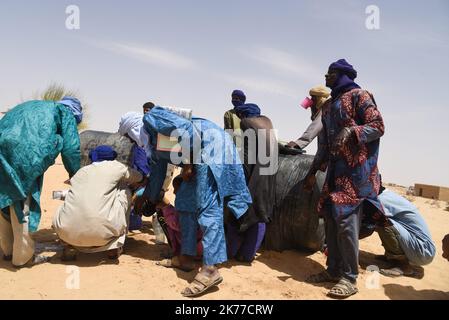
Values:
[(345, 81), (140, 160), (102, 153), (248, 110), (238, 98), (344, 67), (75, 106)]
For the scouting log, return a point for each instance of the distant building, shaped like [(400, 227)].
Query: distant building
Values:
[(432, 192)]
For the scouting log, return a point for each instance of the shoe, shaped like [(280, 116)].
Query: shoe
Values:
[(34, 261)]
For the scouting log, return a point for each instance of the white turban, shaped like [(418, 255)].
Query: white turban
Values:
[(131, 124)]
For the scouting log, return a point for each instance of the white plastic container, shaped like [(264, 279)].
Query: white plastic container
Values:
[(169, 177), (158, 232), (60, 195), (182, 112)]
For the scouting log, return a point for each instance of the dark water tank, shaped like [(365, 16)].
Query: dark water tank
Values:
[(92, 139), (295, 224)]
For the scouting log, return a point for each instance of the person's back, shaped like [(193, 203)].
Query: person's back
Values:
[(415, 237), (257, 124), (31, 137), (89, 214), (246, 234)]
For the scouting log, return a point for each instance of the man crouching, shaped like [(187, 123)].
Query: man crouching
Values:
[(95, 213)]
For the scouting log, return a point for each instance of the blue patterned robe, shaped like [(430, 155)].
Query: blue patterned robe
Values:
[(352, 175)]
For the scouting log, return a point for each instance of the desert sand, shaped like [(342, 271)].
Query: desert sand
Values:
[(273, 275)]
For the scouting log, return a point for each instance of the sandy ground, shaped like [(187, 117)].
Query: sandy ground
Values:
[(273, 275)]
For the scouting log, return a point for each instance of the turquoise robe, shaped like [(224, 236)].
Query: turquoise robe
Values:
[(32, 135)]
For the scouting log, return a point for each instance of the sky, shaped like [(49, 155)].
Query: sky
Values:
[(193, 54)]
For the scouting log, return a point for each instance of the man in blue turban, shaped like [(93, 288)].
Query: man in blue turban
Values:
[(245, 235), (348, 148), (231, 119), (32, 135), (238, 98), (340, 78), (96, 210)]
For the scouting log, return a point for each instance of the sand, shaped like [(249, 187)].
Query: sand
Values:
[(273, 275)]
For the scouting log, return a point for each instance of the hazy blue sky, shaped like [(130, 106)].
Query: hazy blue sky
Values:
[(194, 53)]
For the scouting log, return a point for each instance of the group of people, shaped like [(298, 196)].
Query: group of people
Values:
[(222, 206)]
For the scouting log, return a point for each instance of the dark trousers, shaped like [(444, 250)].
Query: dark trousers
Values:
[(390, 241), (342, 237)]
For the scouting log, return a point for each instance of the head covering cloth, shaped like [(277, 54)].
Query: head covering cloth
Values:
[(248, 110), (322, 95), (102, 153), (238, 98), (74, 105), (345, 81), (131, 124)]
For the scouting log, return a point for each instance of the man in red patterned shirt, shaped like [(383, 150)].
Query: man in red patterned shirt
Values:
[(348, 148)]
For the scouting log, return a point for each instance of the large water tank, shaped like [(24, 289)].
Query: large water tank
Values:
[(91, 139), (295, 224)]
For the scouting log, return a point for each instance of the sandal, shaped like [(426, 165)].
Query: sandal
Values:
[(34, 261), (38, 259), (174, 263), (201, 284), (321, 277), (343, 289), (398, 272)]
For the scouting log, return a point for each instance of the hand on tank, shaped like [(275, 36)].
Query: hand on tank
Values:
[(292, 144)]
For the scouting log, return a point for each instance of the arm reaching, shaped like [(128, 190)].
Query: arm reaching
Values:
[(312, 131), (71, 154)]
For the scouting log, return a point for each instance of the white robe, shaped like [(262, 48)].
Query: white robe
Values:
[(95, 213)]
